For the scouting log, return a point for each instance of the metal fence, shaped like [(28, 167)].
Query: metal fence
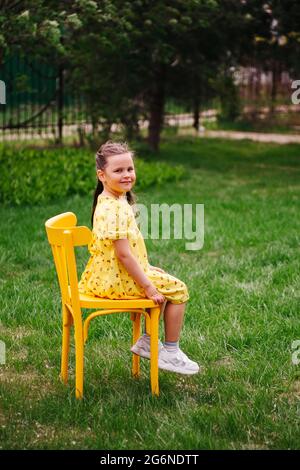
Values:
[(39, 102)]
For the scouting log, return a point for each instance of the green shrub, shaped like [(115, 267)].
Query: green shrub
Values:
[(36, 176)]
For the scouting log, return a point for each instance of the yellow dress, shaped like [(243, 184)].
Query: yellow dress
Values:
[(104, 275)]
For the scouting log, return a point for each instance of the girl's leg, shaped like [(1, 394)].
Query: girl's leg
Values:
[(173, 319), (170, 356)]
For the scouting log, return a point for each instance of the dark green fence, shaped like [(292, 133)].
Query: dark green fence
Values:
[(37, 100)]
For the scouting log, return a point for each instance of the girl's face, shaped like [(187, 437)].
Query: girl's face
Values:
[(118, 176)]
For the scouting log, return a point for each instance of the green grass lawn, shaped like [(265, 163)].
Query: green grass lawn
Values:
[(241, 320)]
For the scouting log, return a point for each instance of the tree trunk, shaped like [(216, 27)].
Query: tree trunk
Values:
[(60, 105), (275, 79), (197, 95), (196, 112), (157, 103)]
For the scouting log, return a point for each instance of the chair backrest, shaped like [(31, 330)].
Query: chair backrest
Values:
[(63, 235)]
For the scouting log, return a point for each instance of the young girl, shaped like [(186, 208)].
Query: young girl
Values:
[(118, 267)]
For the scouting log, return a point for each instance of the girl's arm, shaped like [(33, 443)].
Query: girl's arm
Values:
[(156, 268), (123, 253)]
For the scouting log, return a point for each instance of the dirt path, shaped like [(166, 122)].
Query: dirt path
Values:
[(183, 122), (237, 135), (257, 136)]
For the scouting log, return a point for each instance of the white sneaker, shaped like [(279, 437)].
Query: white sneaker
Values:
[(142, 347), (177, 362)]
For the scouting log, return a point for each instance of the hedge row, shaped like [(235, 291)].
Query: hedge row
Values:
[(30, 176)]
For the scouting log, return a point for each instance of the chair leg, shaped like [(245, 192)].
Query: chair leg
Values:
[(66, 325), (136, 332), (154, 324), (148, 324), (79, 358)]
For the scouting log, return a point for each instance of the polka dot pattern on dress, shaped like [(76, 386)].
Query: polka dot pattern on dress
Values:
[(104, 275)]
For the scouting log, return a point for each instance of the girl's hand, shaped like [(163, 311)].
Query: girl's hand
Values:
[(153, 294), (157, 269)]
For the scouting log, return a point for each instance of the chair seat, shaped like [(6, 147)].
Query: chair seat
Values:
[(90, 301)]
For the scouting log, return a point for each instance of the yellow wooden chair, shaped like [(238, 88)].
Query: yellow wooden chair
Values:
[(63, 236)]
